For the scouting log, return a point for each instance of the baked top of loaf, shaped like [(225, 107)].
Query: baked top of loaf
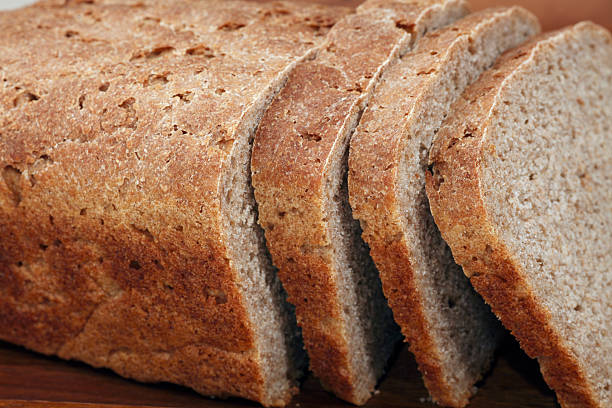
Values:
[(451, 331), (521, 188), (128, 231), (299, 175)]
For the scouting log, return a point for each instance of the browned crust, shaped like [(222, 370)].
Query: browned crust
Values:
[(292, 234), (291, 211), (296, 143), (403, 295), (374, 183), (112, 248), (458, 206)]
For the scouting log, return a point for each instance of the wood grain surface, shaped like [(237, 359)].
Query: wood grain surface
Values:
[(29, 380)]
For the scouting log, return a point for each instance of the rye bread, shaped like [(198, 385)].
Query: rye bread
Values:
[(129, 234), (299, 165), (451, 331), (521, 188)]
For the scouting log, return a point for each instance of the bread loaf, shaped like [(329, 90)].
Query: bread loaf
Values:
[(520, 186), (129, 235), (299, 168), (450, 330)]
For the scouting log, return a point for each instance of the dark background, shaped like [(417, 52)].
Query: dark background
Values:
[(552, 13)]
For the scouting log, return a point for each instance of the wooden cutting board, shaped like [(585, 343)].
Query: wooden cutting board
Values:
[(31, 380)]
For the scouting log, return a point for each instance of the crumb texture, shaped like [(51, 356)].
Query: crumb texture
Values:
[(524, 202), (549, 192), (450, 330), (128, 226), (299, 167)]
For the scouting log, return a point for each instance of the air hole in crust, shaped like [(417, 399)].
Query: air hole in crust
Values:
[(407, 27), (25, 97), (154, 53), (143, 231), (201, 50), (156, 79), (12, 179), (184, 97), (134, 265), (430, 71), (230, 26), (127, 104), (312, 137), (452, 143), (438, 180), (219, 295)]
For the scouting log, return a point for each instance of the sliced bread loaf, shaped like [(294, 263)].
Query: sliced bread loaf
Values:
[(299, 168), (451, 331), (521, 188), (127, 222)]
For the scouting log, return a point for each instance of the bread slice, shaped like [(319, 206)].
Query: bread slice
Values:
[(450, 330), (299, 165), (521, 188), (127, 221)]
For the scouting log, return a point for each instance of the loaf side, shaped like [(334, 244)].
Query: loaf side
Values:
[(120, 124)]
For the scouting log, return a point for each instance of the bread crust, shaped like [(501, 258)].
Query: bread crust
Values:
[(113, 247), (377, 149), (458, 205), (298, 146)]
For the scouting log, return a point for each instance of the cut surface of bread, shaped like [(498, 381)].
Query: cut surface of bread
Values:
[(451, 331), (127, 222), (521, 189), (299, 165)]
